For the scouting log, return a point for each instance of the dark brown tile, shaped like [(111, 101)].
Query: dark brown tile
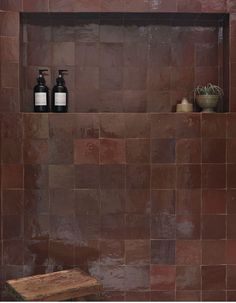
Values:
[(163, 226), (231, 274), (87, 126), (112, 6), (12, 202), (189, 295), (213, 150), (137, 201), (57, 202), (231, 147), (141, 296), (137, 151), (136, 6), (12, 227), (188, 126), (87, 176), (163, 126), (9, 72), (112, 126), (87, 101), (188, 150), (230, 252), (112, 151), (112, 201), (231, 234), (112, 252), (10, 24), (188, 252), (62, 226), (63, 125), (214, 175), (113, 226), (36, 201), (10, 100), (60, 150), (163, 151), (89, 226), (163, 252), (213, 277), (11, 151), (12, 5), (213, 227), (61, 176), (63, 53), (137, 252), (214, 201), (35, 151), (111, 78), (161, 296), (213, 126), (210, 296), (137, 126), (188, 201), (188, 176), (163, 277), (39, 6), (188, 277), (36, 176), (138, 176), (231, 173), (112, 176), (36, 126), (12, 176), (231, 202), (213, 252), (9, 49), (163, 177), (163, 201), (86, 151), (137, 226), (13, 252), (188, 226)]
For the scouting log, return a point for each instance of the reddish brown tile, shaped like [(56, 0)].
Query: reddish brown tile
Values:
[(112, 151), (112, 126), (35, 151), (137, 226), (74, 6), (36, 126), (61, 176), (188, 126), (137, 201), (231, 147), (87, 176), (137, 278), (163, 252), (231, 202), (213, 150), (163, 201), (188, 252), (12, 202), (12, 227), (231, 173), (112, 201), (163, 277), (213, 277), (9, 72), (63, 125), (9, 49), (163, 151), (36, 201), (213, 126), (87, 126), (137, 151), (13, 252), (11, 151), (231, 274), (86, 202), (230, 252), (214, 176), (112, 226), (12, 176), (213, 252), (213, 227), (188, 201), (188, 150), (163, 126), (86, 151), (188, 226), (188, 277), (189, 176), (162, 296), (39, 6), (214, 201), (112, 176), (163, 226), (112, 6), (61, 150), (36, 176), (137, 176), (137, 126), (231, 233), (137, 252), (210, 296), (112, 252), (10, 24), (136, 6), (189, 295), (141, 296), (163, 177)]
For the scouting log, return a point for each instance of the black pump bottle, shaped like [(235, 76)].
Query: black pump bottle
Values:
[(41, 94), (60, 94)]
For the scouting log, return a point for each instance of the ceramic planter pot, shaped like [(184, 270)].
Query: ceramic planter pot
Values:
[(207, 102)]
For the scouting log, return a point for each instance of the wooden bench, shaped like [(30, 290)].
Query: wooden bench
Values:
[(56, 286)]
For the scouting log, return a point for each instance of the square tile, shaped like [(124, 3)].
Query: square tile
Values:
[(86, 151), (213, 277), (138, 176), (214, 201), (188, 277), (163, 277), (163, 226), (163, 151), (188, 226), (213, 227), (112, 151), (163, 201), (163, 177), (163, 252), (188, 252), (213, 252), (137, 252)]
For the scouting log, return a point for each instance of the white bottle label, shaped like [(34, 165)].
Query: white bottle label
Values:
[(60, 99), (40, 99)]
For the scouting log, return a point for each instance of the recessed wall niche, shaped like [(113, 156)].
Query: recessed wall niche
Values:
[(125, 62)]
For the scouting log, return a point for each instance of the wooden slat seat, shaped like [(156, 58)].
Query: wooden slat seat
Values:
[(56, 286)]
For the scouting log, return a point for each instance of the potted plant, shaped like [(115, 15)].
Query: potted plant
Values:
[(207, 97)]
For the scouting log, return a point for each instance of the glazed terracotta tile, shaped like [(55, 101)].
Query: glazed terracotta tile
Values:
[(66, 255), (112, 201), (213, 277), (231, 172), (163, 201), (135, 54), (137, 176), (188, 176), (231, 146), (141, 296), (137, 126), (188, 277), (11, 151), (61, 176), (9, 75), (163, 177), (112, 126), (112, 176), (10, 100), (162, 296), (188, 126), (36, 201), (87, 54), (210, 296), (36, 176), (137, 226), (110, 101), (231, 205), (188, 227), (112, 151), (135, 101), (188, 201), (163, 151), (57, 199), (12, 5), (9, 25), (231, 272), (74, 6), (9, 49), (114, 296), (137, 252), (87, 101), (158, 101), (189, 295), (137, 278), (231, 227), (163, 252), (112, 30), (35, 151), (163, 277), (213, 151), (112, 6), (188, 252), (112, 252), (213, 252), (113, 226), (86, 151), (12, 202), (12, 227), (159, 78), (137, 201), (214, 201), (13, 252), (111, 78), (163, 126), (39, 6), (230, 251), (36, 126), (214, 175), (61, 125), (61, 150), (188, 150), (62, 226), (89, 226), (163, 226), (12, 176), (136, 6), (87, 176), (137, 151), (213, 227), (213, 126)]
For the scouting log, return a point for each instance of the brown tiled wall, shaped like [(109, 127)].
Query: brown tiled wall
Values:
[(144, 201)]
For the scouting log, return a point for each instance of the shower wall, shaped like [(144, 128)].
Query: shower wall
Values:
[(142, 198)]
